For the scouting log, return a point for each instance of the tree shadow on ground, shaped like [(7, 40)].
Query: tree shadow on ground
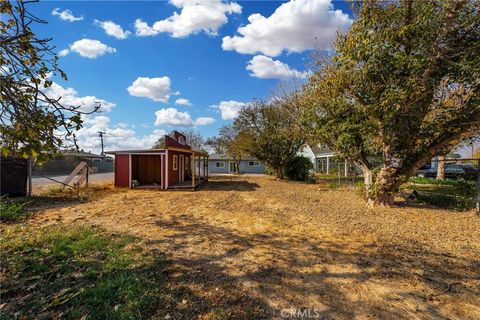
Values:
[(90, 273), (229, 185), (200, 271), (340, 279)]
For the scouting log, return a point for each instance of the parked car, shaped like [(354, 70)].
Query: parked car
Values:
[(452, 171)]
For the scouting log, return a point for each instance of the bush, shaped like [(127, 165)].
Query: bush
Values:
[(12, 211), (299, 168), (269, 170), (450, 182), (446, 201)]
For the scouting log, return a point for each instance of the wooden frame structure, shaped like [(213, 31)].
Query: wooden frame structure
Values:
[(155, 169)]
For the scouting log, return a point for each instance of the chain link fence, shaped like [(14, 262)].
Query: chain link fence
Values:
[(54, 174), (458, 188), (335, 172)]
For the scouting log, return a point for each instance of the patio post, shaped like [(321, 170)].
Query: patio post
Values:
[(199, 176), (193, 169), (204, 164)]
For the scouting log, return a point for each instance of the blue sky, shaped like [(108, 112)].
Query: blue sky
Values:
[(158, 65)]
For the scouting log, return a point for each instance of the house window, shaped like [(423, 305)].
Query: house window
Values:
[(220, 164), (97, 160), (254, 163), (181, 139), (175, 162)]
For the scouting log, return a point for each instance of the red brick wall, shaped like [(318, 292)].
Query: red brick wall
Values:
[(122, 170)]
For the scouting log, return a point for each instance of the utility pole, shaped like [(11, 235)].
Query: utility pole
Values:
[(101, 133)]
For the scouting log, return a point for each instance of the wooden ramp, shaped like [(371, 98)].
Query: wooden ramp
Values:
[(79, 174)]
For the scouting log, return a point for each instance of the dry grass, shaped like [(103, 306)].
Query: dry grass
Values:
[(248, 247)]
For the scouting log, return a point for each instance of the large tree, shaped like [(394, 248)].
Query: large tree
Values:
[(402, 87), (275, 134), (31, 122)]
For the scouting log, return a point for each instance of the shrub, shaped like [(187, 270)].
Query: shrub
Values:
[(269, 170), (299, 168), (449, 182), (12, 211), (446, 201)]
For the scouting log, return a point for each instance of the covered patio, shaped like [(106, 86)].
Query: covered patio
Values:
[(199, 173)]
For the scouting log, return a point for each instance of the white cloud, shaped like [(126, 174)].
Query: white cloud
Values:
[(229, 109), (195, 16), (295, 26), (266, 68), (183, 102), (63, 52), (66, 15), (142, 29), (117, 137), (69, 97), (157, 89), (88, 48), (113, 29), (173, 117), (203, 121)]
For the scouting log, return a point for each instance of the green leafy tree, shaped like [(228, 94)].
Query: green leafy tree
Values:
[(233, 142), (299, 168), (273, 131), (31, 122), (402, 87)]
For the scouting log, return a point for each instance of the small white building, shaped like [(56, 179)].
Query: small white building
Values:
[(323, 159)]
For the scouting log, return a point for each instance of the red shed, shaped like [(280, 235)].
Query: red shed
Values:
[(176, 166)]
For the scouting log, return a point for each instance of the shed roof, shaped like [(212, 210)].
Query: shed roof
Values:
[(159, 151)]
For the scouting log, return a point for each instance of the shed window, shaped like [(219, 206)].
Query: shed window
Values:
[(175, 162), (220, 164), (254, 163)]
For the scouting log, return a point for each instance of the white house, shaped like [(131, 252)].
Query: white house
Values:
[(323, 159)]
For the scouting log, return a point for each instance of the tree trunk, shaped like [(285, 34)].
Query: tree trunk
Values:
[(368, 181), (381, 190), (386, 186), (441, 167), (279, 172)]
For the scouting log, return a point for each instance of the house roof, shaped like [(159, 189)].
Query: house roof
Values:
[(318, 150), (222, 156), (315, 149), (82, 154)]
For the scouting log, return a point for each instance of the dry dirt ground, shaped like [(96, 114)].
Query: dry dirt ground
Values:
[(259, 248)]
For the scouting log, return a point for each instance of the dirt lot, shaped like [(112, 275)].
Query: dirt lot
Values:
[(252, 247)]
